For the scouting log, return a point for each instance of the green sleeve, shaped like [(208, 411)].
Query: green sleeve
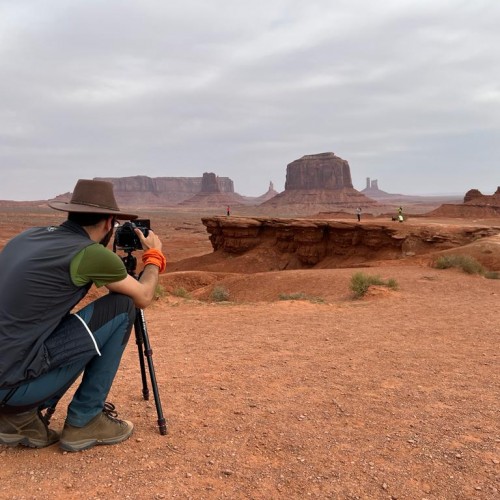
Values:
[(97, 264)]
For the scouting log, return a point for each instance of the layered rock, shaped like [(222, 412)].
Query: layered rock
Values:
[(269, 194), (209, 183), (475, 205), (212, 194), (319, 182), (320, 171), (475, 197), (142, 190), (302, 243), (372, 191)]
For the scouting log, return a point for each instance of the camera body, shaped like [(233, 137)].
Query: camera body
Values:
[(125, 237)]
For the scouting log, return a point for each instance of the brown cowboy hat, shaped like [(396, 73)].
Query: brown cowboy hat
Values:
[(94, 197)]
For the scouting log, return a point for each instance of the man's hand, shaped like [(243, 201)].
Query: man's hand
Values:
[(151, 241)]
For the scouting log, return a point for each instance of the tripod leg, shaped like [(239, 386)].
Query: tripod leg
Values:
[(139, 340), (148, 353)]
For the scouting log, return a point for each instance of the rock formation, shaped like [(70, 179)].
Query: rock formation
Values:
[(475, 197), (316, 183), (475, 205), (271, 193), (320, 171), (211, 194), (209, 183), (372, 191), (141, 190), (301, 243)]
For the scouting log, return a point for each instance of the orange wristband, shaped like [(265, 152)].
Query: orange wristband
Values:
[(155, 257)]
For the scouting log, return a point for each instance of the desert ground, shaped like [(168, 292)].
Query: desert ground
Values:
[(392, 396)]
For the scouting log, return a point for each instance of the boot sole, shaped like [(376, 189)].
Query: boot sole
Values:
[(15, 440), (86, 444)]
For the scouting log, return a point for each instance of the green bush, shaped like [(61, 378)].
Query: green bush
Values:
[(219, 294), (181, 292), (361, 282), (159, 292), (392, 284), (464, 262)]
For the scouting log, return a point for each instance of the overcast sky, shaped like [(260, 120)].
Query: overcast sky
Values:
[(407, 91)]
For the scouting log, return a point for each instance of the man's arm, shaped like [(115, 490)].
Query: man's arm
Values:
[(141, 291)]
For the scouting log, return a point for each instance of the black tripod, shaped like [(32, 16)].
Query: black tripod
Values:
[(144, 348)]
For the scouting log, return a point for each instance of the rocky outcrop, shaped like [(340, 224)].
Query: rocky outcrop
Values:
[(209, 183), (476, 205), (475, 197), (214, 194), (372, 191), (320, 171), (302, 243), (315, 183), (142, 190), (270, 193)]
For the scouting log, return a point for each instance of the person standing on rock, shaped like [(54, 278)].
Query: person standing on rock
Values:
[(358, 213), (228, 211), (45, 346), (400, 214)]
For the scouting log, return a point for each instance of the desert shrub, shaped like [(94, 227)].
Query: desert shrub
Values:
[(219, 294), (301, 296), (159, 292), (492, 275), (181, 292), (361, 282), (392, 284), (466, 263)]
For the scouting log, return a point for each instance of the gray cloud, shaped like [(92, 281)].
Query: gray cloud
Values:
[(407, 91)]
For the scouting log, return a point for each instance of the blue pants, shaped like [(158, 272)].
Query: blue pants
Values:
[(73, 351)]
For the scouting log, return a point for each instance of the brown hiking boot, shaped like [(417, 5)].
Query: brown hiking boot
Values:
[(104, 428), (27, 429)]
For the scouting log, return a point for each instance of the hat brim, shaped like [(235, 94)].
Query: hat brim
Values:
[(78, 208)]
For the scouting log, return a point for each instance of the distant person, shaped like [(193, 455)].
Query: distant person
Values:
[(228, 211), (400, 214), (358, 213), (45, 346)]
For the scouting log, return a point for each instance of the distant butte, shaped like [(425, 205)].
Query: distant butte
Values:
[(319, 182)]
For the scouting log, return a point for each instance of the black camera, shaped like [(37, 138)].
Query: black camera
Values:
[(125, 237)]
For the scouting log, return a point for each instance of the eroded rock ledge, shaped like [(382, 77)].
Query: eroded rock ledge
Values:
[(298, 243)]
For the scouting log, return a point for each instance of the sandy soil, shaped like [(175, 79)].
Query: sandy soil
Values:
[(393, 396)]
